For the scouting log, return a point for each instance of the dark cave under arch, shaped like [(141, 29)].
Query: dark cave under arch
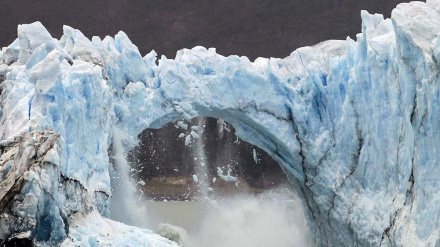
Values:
[(249, 128), (161, 154)]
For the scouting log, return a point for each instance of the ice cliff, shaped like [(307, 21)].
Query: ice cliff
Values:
[(354, 124)]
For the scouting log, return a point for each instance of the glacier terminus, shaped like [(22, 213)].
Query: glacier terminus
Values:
[(354, 124)]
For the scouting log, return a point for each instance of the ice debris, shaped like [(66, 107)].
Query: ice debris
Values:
[(228, 177)]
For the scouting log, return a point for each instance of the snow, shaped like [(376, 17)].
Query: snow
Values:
[(353, 123)]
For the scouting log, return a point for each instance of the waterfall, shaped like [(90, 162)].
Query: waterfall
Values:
[(200, 160), (125, 206)]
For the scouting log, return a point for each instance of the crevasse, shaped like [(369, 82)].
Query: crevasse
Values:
[(354, 124)]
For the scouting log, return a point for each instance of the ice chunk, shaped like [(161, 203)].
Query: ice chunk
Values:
[(182, 125), (195, 178), (79, 46), (29, 175), (174, 233), (254, 155), (194, 135), (93, 227), (228, 177), (33, 35), (187, 140), (52, 157)]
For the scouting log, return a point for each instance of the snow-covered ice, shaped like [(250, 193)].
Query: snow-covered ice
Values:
[(92, 230), (353, 123)]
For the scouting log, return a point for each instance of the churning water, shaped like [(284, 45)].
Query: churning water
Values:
[(274, 218)]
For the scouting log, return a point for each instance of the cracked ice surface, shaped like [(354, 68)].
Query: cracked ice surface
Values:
[(354, 123)]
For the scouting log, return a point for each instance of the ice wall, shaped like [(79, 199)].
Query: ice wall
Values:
[(353, 123)]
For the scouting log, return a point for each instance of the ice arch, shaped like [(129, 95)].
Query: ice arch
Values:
[(230, 89), (354, 124)]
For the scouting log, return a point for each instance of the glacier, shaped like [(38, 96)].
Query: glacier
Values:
[(354, 124)]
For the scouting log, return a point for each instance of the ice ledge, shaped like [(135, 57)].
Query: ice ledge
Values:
[(94, 230)]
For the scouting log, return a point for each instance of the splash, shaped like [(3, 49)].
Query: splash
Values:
[(275, 218)]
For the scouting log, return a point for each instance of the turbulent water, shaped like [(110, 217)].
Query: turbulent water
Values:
[(274, 218)]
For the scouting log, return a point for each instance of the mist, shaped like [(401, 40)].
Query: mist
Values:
[(126, 204), (274, 218)]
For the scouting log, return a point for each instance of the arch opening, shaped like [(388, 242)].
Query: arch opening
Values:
[(214, 175), (168, 157)]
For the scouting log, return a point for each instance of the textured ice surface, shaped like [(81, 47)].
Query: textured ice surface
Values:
[(354, 124), (93, 230)]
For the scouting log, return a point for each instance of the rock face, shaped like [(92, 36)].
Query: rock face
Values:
[(353, 124)]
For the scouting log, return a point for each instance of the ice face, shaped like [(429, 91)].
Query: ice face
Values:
[(354, 123)]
